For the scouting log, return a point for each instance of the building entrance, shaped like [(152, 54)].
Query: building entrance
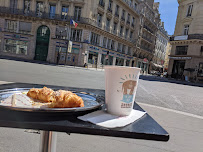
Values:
[(42, 43), (178, 69)]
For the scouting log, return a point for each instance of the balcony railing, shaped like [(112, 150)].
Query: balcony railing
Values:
[(148, 29), (145, 48), (146, 38), (131, 5), (59, 17)]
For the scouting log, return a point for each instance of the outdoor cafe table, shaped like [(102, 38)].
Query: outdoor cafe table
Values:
[(145, 128)]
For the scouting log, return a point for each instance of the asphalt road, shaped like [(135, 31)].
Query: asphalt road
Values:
[(185, 129), (151, 91)]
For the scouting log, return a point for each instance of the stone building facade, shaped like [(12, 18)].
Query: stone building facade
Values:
[(186, 59), (168, 52), (109, 32), (160, 49)]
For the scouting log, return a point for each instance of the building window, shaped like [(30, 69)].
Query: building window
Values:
[(13, 4), (77, 13), (186, 29), (200, 70), (117, 11), (64, 12), (26, 6), (189, 11), (123, 49), (95, 38), (201, 51), (52, 10), (123, 15), (109, 44), (115, 27), (99, 20), (119, 47), (181, 50), (61, 33), (110, 5), (121, 31), (135, 6), (108, 24), (129, 51), (39, 9), (18, 27), (25, 27), (12, 26), (16, 46), (104, 42), (76, 35), (113, 45), (126, 33), (131, 34), (101, 3), (128, 19), (133, 22)]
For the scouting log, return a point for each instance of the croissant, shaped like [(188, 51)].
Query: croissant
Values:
[(58, 99)]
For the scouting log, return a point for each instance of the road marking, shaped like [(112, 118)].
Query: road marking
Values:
[(152, 94), (171, 110), (176, 100)]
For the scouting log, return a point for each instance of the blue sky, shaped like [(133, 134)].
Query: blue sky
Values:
[(168, 10)]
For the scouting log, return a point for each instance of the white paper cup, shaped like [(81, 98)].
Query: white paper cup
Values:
[(120, 89)]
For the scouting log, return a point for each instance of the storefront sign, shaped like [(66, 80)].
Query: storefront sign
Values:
[(70, 44), (180, 58), (94, 48), (183, 37), (93, 52)]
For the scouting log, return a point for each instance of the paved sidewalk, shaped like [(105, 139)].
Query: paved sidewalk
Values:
[(163, 79)]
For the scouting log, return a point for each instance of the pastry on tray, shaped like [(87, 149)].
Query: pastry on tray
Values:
[(57, 99)]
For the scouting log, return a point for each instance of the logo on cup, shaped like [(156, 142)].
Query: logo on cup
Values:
[(128, 87)]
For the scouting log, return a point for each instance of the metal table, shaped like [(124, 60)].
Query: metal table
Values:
[(145, 128)]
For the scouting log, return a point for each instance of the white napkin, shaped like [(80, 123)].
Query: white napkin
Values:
[(107, 120)]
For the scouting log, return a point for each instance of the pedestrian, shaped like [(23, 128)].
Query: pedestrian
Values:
[(85, 65), (58, 57)]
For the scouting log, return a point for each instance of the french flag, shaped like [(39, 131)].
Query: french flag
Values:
[(72, 22)]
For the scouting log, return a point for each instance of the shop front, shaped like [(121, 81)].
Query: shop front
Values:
[(181, 67), (143, 64), (92, 59), (119, 61), (127, 62), (106, 59), (66, 54), (178, 69)]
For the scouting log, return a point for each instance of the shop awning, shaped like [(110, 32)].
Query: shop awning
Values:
[(157, 65)]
